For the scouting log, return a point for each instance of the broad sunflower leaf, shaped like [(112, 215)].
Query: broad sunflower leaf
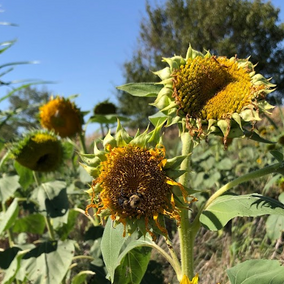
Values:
[(8, 218), (112, 242), (274, 226), (133, 266), (33, 223), (118, 250), (227, 207), (259, 271), (52, 198), (141, 89), (26, 175), (47, 263), (14, 266), (8, 186)]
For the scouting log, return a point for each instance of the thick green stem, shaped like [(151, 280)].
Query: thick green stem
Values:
[(255, 174), (82, 143), (186, 232)]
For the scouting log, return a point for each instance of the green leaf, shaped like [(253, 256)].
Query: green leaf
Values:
[(274, 226), (107, 118), (7, 256), (258, 271), (52, 198), (13, 269), (33, 223), (141, 89), (227, 207), (112, 242), (277, 155), (48, 263), (8, 218), (133, 266), (8, 186), (26, 175), (254, 136), (115, 248), (67, 228)]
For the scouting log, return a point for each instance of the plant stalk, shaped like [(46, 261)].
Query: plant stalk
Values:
[(252, 175), (186, 233)]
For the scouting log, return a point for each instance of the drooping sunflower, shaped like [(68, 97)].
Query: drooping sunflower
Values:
[(206, 94), (39, 151), (134, 182), (104, 108), (61, 116)]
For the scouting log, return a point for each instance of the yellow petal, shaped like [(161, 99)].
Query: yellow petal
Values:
[(185, 280)]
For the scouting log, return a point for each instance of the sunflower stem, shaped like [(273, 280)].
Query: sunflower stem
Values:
[(82, 142), (247, 177), (186, 232)]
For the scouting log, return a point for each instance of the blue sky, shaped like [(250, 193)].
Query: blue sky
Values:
[(80, 45)]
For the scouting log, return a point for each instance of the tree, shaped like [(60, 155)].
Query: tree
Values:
[(225, 27), (24, 105)]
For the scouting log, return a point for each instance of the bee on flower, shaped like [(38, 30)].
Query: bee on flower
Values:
[(134, 182)]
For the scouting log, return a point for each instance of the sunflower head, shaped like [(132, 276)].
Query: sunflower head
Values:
[(134, 182), (104, 108), (206, 94), (39, 151), (61, 116), (210, 94)]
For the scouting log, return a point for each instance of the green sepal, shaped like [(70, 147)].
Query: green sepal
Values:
[(141, 89), (141, 140), (191, 53), (175, 162), (174, 174), (224, 126), (94, 172), (121, 136), (90, 159), (158, 118), (163, 73), (109, 140)]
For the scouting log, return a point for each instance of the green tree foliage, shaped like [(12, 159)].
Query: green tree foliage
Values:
[(225, 27), (25, 105)]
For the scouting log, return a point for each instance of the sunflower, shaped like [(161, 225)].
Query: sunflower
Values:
[(134, 182), (207, 94), (39, 151), (61, 116)]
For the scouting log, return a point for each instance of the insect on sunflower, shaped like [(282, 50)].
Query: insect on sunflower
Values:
[(134, 182)]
